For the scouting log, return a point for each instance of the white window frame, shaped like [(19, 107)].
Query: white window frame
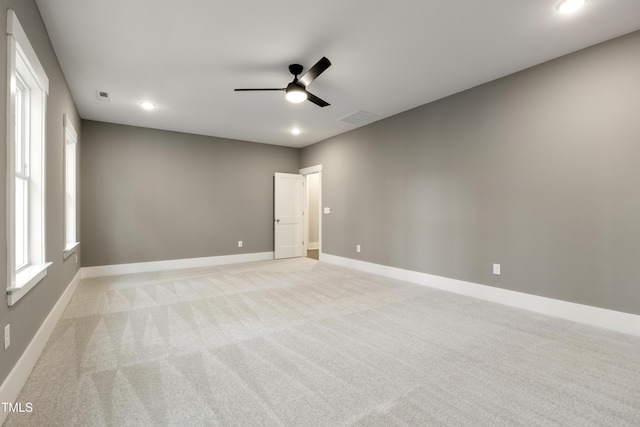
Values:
[(23, 64), (70, 188)]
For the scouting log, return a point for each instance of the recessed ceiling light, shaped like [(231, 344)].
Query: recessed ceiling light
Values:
[(147, 105), (570, 6), (295, 131)]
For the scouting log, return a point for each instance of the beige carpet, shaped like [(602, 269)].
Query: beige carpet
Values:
[(304, 343)]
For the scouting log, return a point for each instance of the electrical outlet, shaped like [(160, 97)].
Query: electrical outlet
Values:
[(7, 336), (357, 248), (240, 243), (496, 269), (76, 257)]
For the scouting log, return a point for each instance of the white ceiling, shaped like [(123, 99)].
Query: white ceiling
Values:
[(388, 56)]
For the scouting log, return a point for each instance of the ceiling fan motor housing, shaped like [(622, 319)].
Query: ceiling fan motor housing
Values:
[(295, 86)]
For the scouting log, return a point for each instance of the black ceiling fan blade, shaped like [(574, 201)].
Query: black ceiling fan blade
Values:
[(315, 71), (319, 102), (259, 89)]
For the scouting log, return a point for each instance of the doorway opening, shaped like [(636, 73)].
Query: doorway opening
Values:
[(312, 221), (313, 209)]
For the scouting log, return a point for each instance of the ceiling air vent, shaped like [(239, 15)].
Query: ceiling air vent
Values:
[(358, 117), (103, 96)]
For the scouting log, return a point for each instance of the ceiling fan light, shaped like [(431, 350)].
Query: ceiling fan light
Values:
[(295, 93), (296, 96)]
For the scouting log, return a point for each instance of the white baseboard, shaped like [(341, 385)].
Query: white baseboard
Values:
[(12, 385), (174, 264), (594, 316), (313, 245)]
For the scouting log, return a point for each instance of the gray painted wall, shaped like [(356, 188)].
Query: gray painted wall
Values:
[(27, 315), (151, 195), (537, 171)]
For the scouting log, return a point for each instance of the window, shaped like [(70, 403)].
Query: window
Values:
[(28, 87), (70, 170)]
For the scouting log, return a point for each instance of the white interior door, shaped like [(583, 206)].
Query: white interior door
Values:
[(288, 215)]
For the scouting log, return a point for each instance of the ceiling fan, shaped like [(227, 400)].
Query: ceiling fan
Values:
[(296, 91)]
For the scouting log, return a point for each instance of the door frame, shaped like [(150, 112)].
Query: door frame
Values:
[(304, 172)]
